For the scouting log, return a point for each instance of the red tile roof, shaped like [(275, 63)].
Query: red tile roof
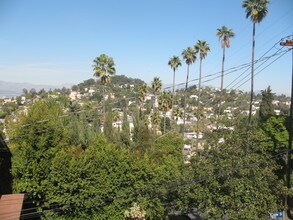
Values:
[(10, 206)]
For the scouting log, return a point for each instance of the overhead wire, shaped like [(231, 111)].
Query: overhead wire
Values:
[(276, 21), (260, 59), (248, 74), (265, 67)]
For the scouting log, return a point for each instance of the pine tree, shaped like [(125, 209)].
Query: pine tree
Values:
[(125, 133), (108, 129)]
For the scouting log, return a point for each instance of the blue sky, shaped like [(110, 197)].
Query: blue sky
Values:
[(55, 41)]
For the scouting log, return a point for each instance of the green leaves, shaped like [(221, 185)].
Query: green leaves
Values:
[(174, 62), (237, 178), (104, 67), (36, 142), (156, 84), (224, 35), (234, 178), (104, 181), (276, 130), (266, 106), (203, 48), (189, 55), (142, 92), (100, 181), (165, 102), (255, 9)]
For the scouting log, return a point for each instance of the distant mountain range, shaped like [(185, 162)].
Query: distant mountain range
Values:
[(11, 89)]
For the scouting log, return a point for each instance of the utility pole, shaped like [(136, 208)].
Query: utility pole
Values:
[(289, 43)]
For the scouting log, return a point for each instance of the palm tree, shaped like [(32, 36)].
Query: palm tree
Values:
[(203, 48), (165, 104), (177, 113), (142, 94), (156, 86), (174, 63), (224, 35), (189, 55), (116, 118), (256, 10), (155, 119), (104, 67)]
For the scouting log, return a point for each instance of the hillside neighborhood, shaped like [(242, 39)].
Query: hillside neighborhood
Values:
[(86, 97)]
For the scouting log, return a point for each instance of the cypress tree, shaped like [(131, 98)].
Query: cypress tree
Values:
[(266, 106)]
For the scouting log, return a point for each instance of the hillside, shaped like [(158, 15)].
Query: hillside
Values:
[(12, 89)]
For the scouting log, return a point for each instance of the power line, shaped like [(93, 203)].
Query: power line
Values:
[(263, 59), (266, 66), (247, 75), (260, 59)]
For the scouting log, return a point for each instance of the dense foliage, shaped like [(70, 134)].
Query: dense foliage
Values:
[(235, 178), (71, 171)]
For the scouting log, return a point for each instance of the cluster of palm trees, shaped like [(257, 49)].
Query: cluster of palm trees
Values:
[(256, 10), (190, 55)]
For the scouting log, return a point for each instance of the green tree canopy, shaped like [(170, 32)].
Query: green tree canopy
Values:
[(266, 106), (104, 67), (35, 139), (235, 178)]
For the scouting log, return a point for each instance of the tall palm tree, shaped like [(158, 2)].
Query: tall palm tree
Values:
[(189, 55), (203, 48), (165, 104), (256, 10), (174, 63), (224, 35), (104, 68), (156, 86)]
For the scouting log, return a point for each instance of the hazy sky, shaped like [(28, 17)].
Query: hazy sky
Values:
[(55, 41)]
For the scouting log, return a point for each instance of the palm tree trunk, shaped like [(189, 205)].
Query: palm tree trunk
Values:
[(140, 111), (252, 74), (173, 93), (198, 103), (222, 76), (104, 104), (164, 122), (184, 109), (199, 86), (222, 81)]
